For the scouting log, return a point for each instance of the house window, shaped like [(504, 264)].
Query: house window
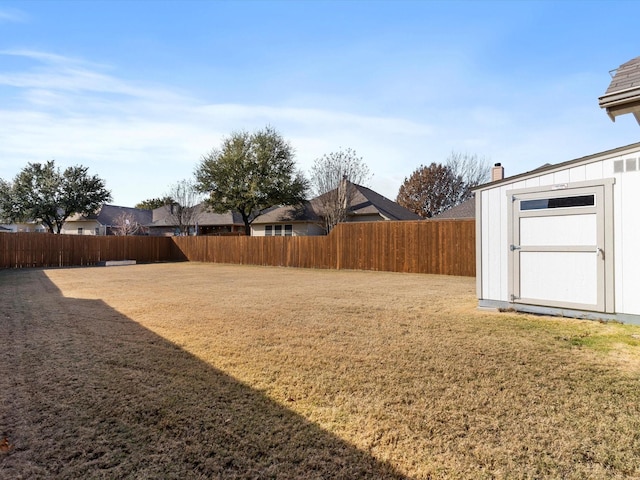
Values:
[(80, 230), (278, 230)]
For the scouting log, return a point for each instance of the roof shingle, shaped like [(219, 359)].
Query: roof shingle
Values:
[(623, 94), (466, 209)]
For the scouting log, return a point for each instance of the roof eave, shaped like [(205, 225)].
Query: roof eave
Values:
[(621, 102), (614, 96)]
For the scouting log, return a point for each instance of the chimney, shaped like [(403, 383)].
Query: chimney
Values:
[(497, 172)]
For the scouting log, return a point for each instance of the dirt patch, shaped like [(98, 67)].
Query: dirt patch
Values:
[(213, 371)]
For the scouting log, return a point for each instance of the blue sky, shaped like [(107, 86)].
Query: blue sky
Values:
[(139, 91)]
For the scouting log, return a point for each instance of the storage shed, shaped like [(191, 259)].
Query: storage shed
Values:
[(563, 239)]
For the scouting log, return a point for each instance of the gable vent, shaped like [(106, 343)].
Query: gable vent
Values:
[(627, 165)]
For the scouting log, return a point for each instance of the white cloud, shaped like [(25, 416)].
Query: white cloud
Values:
[(57, 72), (12, 15)]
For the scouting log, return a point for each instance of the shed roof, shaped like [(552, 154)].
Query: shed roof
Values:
[(623, 94), (548, 168)]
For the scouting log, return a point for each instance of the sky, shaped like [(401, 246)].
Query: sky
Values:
[(139, 91)]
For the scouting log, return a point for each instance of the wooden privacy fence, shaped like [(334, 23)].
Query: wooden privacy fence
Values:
[(441, 247), (20, 250)]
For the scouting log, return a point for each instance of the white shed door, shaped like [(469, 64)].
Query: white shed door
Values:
[(558, 252)]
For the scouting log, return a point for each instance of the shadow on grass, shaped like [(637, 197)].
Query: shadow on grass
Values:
[(88, 393)]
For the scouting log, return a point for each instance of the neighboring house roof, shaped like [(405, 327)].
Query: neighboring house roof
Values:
[(307, 212), (368, 202), (162, 217), (207, 218), (364, 202), (4, 229), (108, 215), (623, 94), (466, 209)]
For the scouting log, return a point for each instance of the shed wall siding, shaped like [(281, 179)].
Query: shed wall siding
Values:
[(494, 224), (627, 241)]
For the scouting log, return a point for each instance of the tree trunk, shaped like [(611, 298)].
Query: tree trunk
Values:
[(247, 225)]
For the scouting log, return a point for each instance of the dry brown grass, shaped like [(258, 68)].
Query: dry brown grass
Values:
[(212, 371)]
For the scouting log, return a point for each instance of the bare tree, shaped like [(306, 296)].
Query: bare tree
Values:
[(126, 224), (186, 210), (471, 170), (332, 179)]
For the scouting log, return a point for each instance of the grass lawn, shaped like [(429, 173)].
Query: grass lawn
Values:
[(234, 372)]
